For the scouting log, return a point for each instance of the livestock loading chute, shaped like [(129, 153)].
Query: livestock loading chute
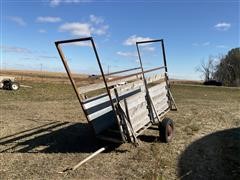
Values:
[(122, 111)]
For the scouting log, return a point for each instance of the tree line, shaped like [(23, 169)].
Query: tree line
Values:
[(226, 70)]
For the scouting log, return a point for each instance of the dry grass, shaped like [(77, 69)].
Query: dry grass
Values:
[(61, 138)]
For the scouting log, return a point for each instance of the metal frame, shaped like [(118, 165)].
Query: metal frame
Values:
[(57, 43), (105, 80), (171, 100)]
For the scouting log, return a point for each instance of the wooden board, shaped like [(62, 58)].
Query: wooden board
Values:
[(129, 86), (158, 95), (101, 85), (155, 77), (158, 87), (103, 102), (137, 109), (99, 110)]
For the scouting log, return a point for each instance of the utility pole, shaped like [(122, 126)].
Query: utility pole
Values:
[(108, 69), (41, 69)]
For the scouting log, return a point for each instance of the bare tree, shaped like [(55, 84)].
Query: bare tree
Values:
[(207, 69)]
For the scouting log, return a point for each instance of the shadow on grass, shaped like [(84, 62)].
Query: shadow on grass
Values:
[(54, 137), (215, 156)]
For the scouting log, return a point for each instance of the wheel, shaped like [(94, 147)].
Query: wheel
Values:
[(166, 130), (1, 85), (14, 86), (7, 85)]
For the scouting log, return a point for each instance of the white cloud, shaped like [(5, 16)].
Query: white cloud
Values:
[(127, 54), (47, 57), (94, 26), (42, 31), (222, 26), (48, 19), (17, 20), (95, 19), (221, 46), (54, 3), (77, 29), (101, 30), (82, 43), (133, 39), (206, 43), (13, 49), (149, 48)]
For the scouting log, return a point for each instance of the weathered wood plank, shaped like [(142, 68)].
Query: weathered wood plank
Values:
[(96, 102), (161, 108), (157, 87), (134, 100), (139, 110), (100, 113), (159, 100), (92, 87), (104, 102), (139, 116), (131, 85), (141, 124), (158, 95), (85, 101), (155, 77)]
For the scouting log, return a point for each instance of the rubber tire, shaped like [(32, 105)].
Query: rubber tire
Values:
[(7, 85), (1, 85), (166, 130), (14, 86)]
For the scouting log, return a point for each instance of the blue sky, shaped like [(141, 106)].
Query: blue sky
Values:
[(192, 31)]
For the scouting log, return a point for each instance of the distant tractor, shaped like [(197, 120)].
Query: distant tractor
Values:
[(9, 83)]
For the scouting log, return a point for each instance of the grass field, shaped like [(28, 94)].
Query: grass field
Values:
[(43, 131)]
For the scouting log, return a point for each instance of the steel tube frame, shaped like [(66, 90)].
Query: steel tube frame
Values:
[(143, 72), (57, 43), (135, 74)]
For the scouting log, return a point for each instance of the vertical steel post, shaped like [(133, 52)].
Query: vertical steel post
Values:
[(145, 84), (166, 73), (105, 82), (70, 76)]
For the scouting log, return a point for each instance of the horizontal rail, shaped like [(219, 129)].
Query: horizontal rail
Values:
[(124, 77), (135, 74), (117, 72), (101, 85), (73, 40), (154, 69), (122, 71), (149, 41)]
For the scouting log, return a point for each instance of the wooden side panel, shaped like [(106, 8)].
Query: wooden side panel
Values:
[(157, 88), (101, 85), (99, 110), (155, 77), (158, 94), (137, 109), (129, 86)]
